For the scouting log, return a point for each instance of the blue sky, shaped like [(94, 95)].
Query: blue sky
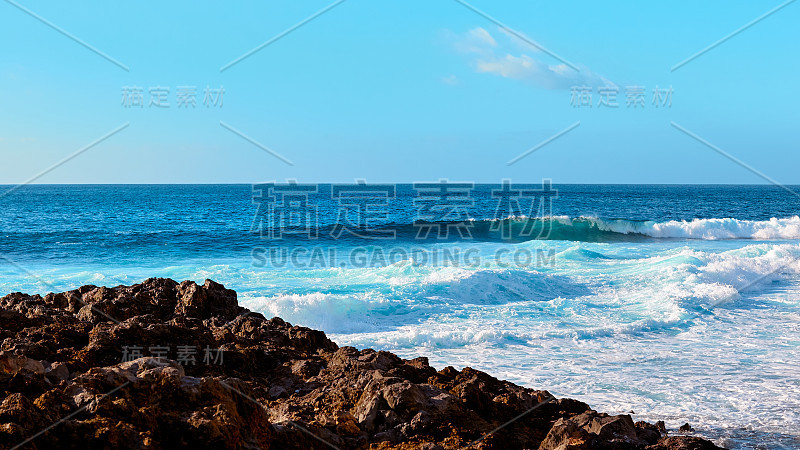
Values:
[(399, 91)]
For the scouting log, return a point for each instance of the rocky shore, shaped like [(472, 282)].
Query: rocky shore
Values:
[(164, 364)]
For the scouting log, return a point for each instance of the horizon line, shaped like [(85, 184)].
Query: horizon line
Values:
[(388, 182)]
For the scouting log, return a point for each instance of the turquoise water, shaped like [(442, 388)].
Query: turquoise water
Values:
[(679, 303)]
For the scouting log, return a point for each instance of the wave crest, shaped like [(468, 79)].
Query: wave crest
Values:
[(595, 229)]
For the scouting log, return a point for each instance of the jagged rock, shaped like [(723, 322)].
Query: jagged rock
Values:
[(587, 429), (566, 434), (168, 365), (211, 299), (648, 432), (11, 364), (683, 443), (614, 429)]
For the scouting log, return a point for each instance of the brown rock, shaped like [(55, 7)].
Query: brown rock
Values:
[(211, 299), (566, 435), (11, 364), (404, 398), (648, 432), (683, 443)]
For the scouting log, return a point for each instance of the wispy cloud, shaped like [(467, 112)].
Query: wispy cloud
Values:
[(475, 41), (452, 80), (488, 55), (519, 41)]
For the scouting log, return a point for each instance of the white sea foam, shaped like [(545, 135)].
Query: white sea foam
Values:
[(703, 331), (710, 229), (705, 334), (786, 228)]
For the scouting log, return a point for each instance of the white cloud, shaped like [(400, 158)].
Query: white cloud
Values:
[(511, 67), (529, 70), (452, 80), (476, 41), (489, 57), (482, 35)]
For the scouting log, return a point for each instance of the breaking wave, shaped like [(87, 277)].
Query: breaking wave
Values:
[(594, 229)]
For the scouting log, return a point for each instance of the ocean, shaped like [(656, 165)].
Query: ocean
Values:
[(669, 302)]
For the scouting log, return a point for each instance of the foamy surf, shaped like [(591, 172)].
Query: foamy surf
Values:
[(599, 229), (658, 317), (712, 229)]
